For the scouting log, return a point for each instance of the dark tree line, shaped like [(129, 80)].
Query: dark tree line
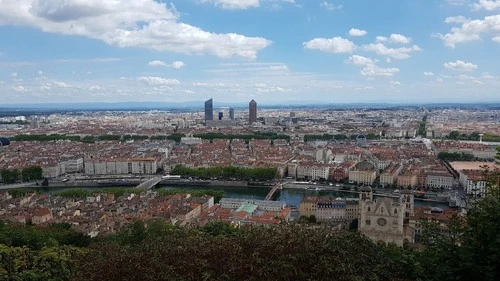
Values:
[(455, 156), (226, 173), (26, 174)]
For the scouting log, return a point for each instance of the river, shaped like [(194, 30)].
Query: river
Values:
[(289, 196)]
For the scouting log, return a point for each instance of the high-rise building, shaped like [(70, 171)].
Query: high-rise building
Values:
[(209, 110), (221, 114), (252, 112), (231, 113)]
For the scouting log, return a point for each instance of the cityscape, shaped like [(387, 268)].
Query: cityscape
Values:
[(250, 140)]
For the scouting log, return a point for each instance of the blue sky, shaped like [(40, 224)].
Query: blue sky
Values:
[(273, 51)]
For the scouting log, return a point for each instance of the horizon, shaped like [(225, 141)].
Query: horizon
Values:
[(273, 51)]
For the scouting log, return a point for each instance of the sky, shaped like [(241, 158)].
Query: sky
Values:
[(273, 51)]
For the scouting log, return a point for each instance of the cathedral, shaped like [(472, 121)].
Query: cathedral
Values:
[(386, 219)]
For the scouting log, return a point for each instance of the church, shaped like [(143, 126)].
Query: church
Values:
[(385, 219)]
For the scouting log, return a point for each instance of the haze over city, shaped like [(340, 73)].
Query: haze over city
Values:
[(273, 51)]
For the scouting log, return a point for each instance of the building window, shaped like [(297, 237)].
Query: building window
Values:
[(368, 222)]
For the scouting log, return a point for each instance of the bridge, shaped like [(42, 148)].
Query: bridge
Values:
[(278, 185), (150, 183)]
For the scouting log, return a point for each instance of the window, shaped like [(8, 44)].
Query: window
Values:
[(368, 222)]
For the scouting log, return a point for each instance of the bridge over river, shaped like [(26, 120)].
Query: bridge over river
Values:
[(150, 183)]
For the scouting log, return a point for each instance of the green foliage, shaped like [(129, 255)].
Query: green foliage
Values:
[(226, 173), (422, 127), (81, 193), (36, 238), (217, 194), (258, 253), (216, 228), (325, 137), (175, 137), (10, 175), (32, 173), (257, 135), (455, 156)]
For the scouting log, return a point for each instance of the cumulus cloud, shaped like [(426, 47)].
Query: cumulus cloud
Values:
[(488, 5), (460, 66), (175, 64), (234, 4), (19, 89), (158, 81), (426, 73), (395, 53), (369, 67), (157, 63), (331, 45), (61, 84), (128, 23), (329, 6), (357, 32), (469, 30), (394, 38)]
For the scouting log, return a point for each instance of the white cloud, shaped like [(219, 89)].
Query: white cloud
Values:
[(395, 53), (394, 38), (395, 83), (369, 66), (61, 84), (278, 67), (457, 19), (357, 32), (158, 81), (426, 73), (157, 63), (489, 5), (13, 74), (234, 4), (94, 88), (460, 66), (496, 39), (457, 2), (330, 6), (360, 60), (175, 64), (40, 72), (128, 23), (19, 89), (470, 30), (178, 64), (331, 45)]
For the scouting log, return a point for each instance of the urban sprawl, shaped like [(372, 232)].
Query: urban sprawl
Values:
[(387, 157)]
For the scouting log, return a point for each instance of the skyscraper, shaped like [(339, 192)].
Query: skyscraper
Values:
[(209, 110), (231, 113), (252, 112)]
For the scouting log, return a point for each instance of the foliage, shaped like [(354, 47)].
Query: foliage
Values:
[(9, 175), (48, 263), (217, 194), (422, 128), (26, 174), (257, 135), (36, 238), (32, 173), (258, 253), (80, 192), (455, 156), (226, 173)]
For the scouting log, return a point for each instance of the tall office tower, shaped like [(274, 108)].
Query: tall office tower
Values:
[(252, 112), (209, 110), (231, 113), (221, 114)]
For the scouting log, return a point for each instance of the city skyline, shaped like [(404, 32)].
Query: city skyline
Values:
[(273, 51)]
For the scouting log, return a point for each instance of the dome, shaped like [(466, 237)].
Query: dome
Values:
[(4, 141)]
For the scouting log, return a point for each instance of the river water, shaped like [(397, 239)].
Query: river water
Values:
[(289, 196)]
